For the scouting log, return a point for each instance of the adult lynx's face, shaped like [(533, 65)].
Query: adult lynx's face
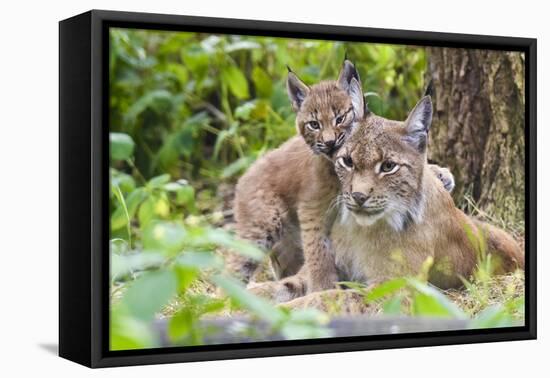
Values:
[(381, 168), (325, 112)]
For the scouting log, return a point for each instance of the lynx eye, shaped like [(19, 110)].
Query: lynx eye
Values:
[(340, 119), (388, 166), (313, 125), (346, 162)]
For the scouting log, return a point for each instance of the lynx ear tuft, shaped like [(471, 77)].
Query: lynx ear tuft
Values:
[(297, 90), (429, 89), (347, 73), (357, 99), (418, 124)]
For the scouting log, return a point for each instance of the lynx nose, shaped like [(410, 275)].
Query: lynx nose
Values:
[(359, 198), (330, 144)]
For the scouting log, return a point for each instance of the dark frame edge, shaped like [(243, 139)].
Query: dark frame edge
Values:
[(323, 348), (161, 21), (531, 184), (75, 276)]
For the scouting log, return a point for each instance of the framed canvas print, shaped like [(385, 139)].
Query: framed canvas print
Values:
[(234, 188)]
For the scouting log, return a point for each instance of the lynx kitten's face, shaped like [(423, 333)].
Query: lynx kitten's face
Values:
[(325, 112), (325, 118), (381, 168)]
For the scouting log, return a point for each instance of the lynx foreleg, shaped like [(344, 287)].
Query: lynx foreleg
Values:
[(318, 257)]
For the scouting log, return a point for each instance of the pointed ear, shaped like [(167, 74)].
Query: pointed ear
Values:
[(357, 99), (429, 89), (347, 73), (418, 124), (297, 90)]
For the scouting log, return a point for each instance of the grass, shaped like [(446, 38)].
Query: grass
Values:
[(478, 295), (497, 290), (189, 295)]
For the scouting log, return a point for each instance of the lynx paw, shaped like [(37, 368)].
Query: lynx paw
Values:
[(333, 302), (322, 282), (278, 291)]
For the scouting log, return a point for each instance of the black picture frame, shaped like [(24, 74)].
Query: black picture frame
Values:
[(84, 188)]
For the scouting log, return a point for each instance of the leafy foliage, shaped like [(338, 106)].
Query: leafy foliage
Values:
[(205, 106), (160, 248)]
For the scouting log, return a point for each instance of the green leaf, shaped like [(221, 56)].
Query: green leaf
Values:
[(196, 59), (236, 81), (155, 207), (179, 71), (185, 276), (166, 237), (125, 182), (220, 139), (159, 181), (386, 288), (125, 212), (120, 217), (172, 186), (237, 166), (127, 332), (122, 265), (492, 317), (156, 99), (392, 306), (258, 306), (122, 146), (425, 305), (134, 199), (208, 304), (434, 301), (201, 260), (181, 324), (243, 111), (149, 293), (185, 196), (262, 82), (220, 237), (305, 324), (146, 211), (255, 109)]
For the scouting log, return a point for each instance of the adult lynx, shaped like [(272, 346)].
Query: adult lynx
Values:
[(395, 214)]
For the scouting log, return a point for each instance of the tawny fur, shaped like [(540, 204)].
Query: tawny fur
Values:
[(419, 220), (408, 219)]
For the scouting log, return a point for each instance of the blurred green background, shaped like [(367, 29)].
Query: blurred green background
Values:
[(203, 106)]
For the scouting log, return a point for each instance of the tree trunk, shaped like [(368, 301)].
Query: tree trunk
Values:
[(478, 126)]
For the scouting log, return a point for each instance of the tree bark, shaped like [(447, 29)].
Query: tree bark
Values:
[(478, 126)]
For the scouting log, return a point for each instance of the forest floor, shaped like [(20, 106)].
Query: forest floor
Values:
[(480, 293)]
